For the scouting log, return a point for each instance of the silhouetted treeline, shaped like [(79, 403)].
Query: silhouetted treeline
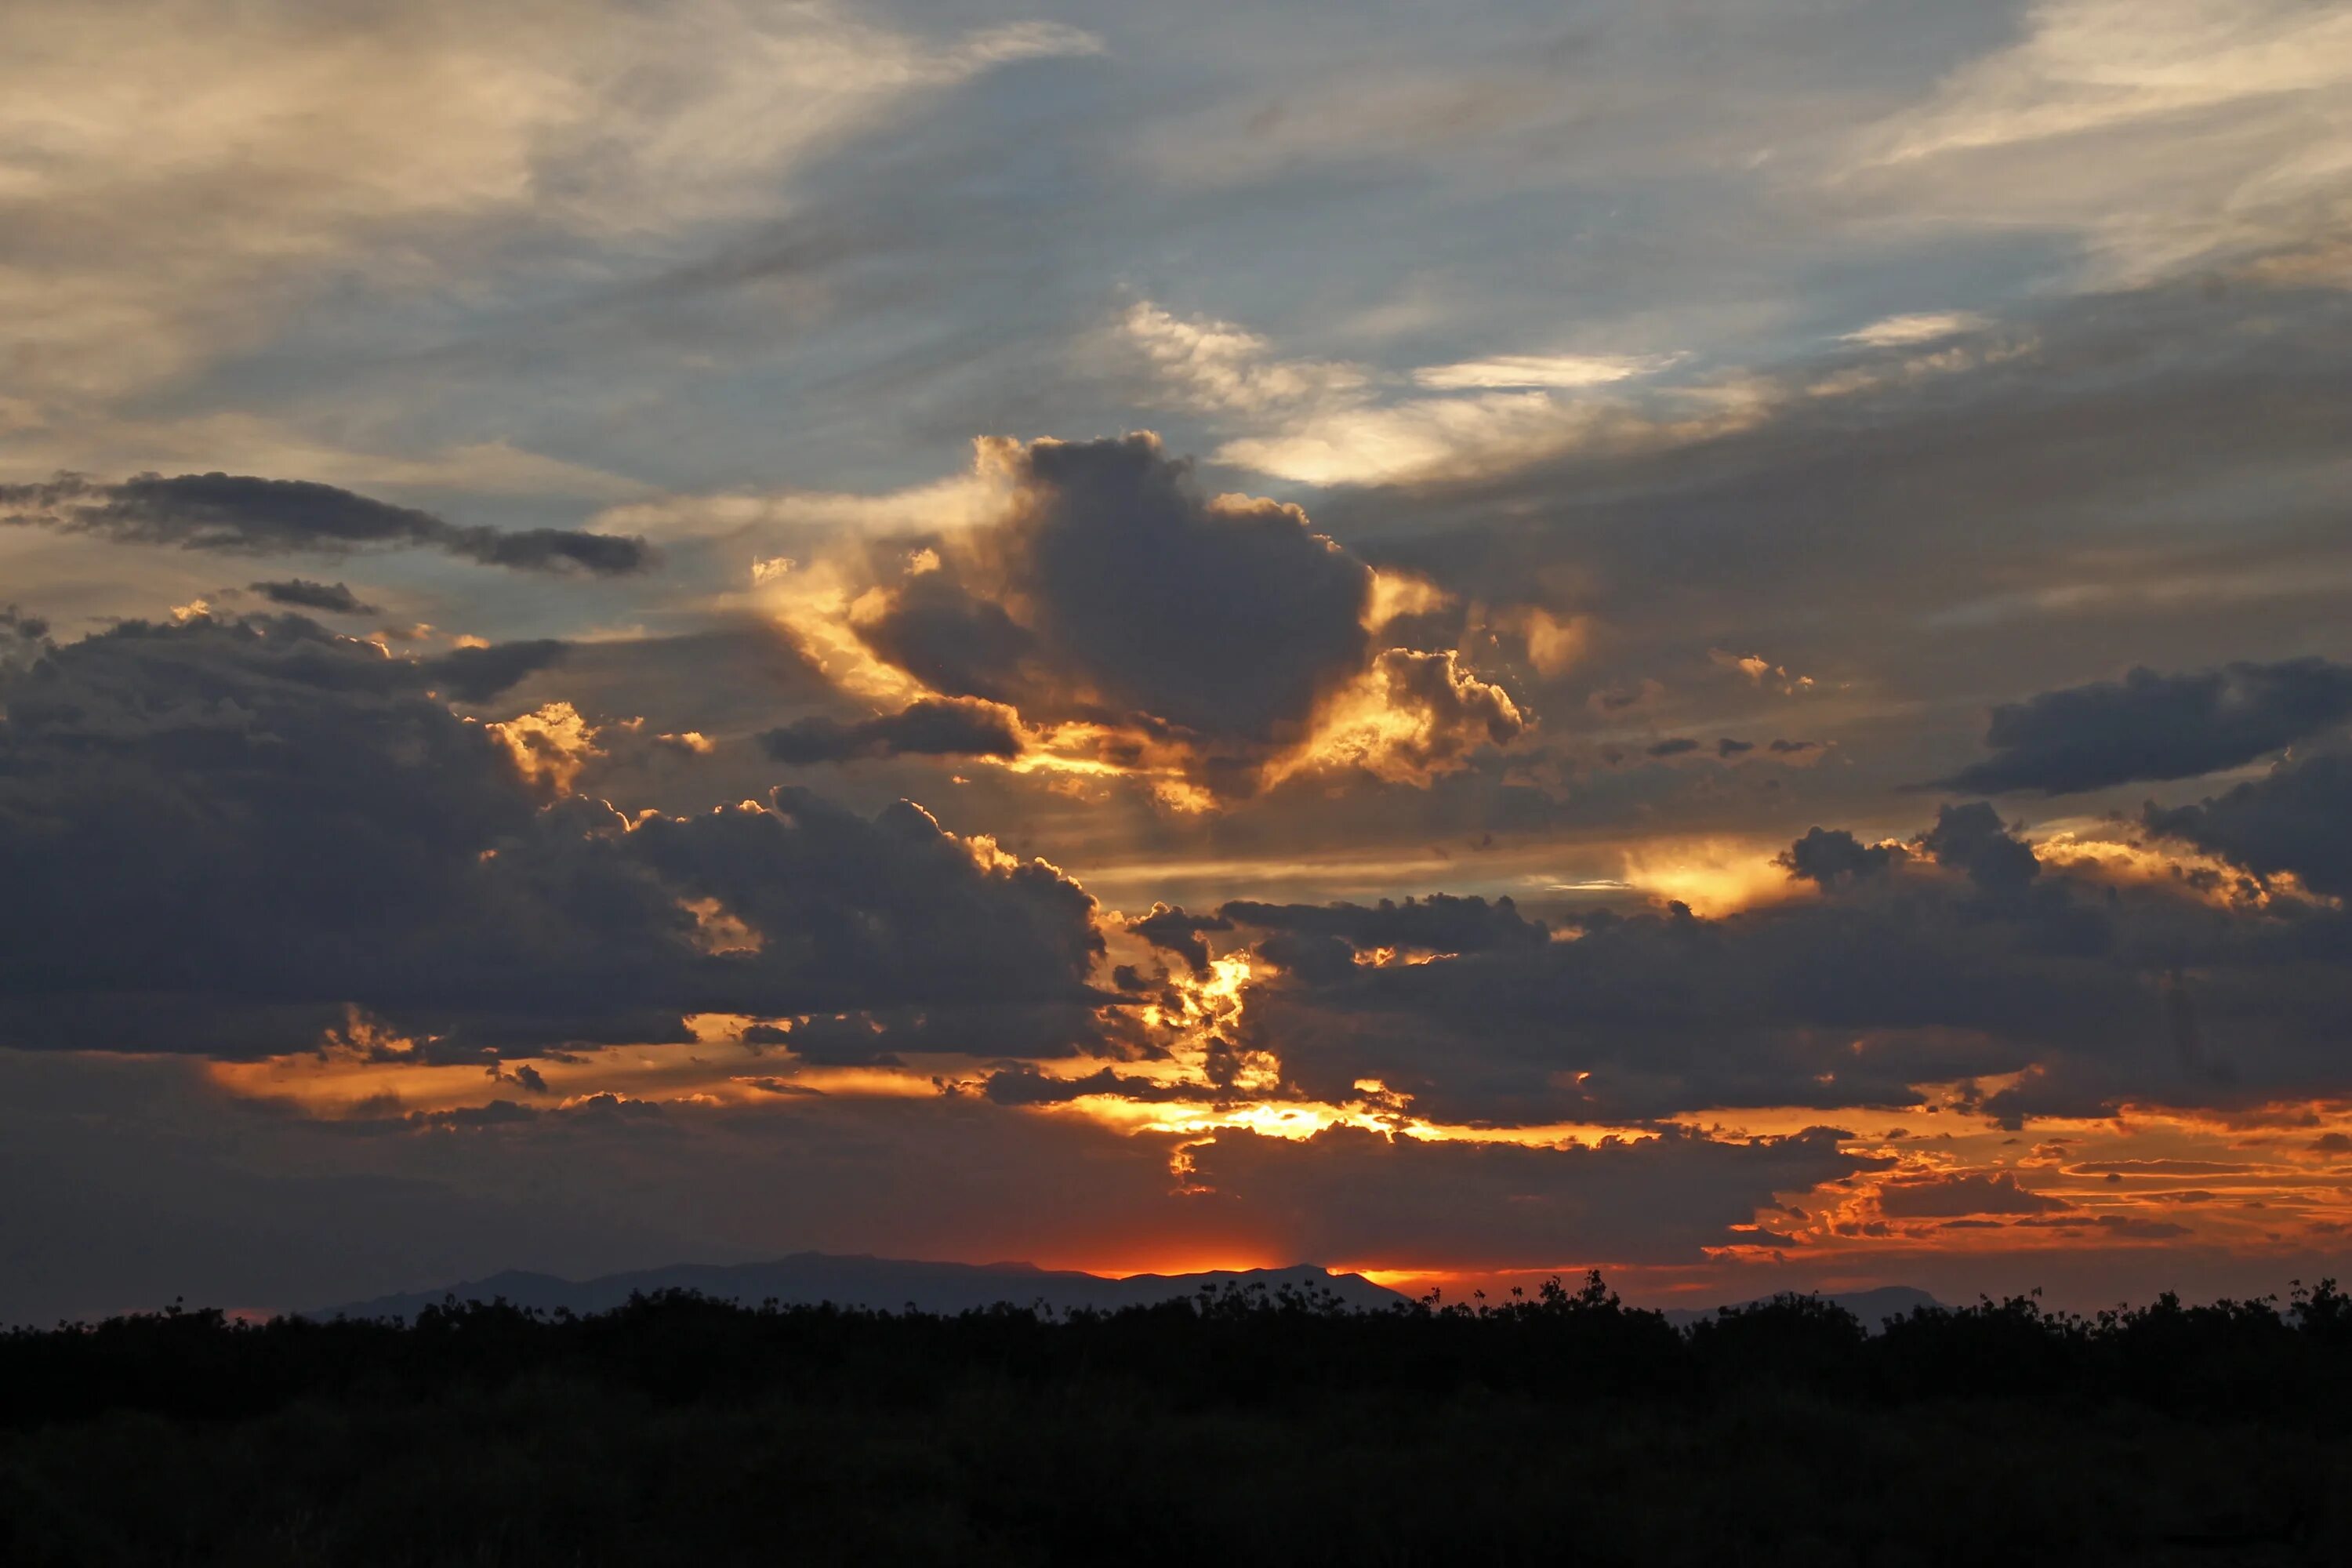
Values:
[(1278, 1428)]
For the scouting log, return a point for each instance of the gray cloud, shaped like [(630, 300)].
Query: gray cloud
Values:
[(955, 727), (1142, 599), (478, 675), (1935, 1197), (1172, 931), (221, 836), (2297, 819), (330, 598), (1349, 1193), (1826, 856), (2152, 726), (1441, 923), (241, 514), (1969, 959)]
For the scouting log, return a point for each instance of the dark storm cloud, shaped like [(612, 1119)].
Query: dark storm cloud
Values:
[(1173, 930), (328, 598), (2298, 819), (965, 727), (222, 836), (245, 515), (1825, 856), (2148, 726), (1230, 618), (1962, 958), (477, 674), (1972, 839)]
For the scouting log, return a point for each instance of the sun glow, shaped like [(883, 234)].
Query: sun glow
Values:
[(1714, 877)]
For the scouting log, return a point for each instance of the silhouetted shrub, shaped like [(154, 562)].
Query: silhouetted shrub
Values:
[(1268, 1428)]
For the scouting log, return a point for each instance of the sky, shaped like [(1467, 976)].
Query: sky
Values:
[(1460, 641)]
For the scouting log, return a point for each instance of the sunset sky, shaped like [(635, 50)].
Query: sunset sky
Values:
[(1462, 641)]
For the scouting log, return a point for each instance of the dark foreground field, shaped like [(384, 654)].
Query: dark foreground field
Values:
[(1564, 1429)]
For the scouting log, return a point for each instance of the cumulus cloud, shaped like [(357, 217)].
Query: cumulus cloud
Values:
[(1220, 636), (1827, 856), (2148, 726), (226, 836), (2295, 819), (1173, 930), (244, 515), (1961, 960), (1226, 617)]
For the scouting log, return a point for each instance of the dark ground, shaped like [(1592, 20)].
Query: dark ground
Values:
[(1566, 1429)]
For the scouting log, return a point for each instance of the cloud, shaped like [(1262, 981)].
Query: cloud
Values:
[(1409, 718), (1172, 931), (1942, 1196), (1972, 839), (1227, 617), (477, 674), (328, 598), (229, 837), (1220, 367), (244, 515), (1329, 421), (2152, 726), (1359, 1196), (1539, 369), (2297, 819), (1137, 625), (963, 727), (1828, 856), (1964, 959), (436, 145), (2165, 132), (1902, 332), (1026, 1086), (1440, 923), (23, 639)]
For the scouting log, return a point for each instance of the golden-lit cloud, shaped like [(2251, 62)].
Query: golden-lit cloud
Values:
[(550, 745), (1208, 706), (1713, 876)]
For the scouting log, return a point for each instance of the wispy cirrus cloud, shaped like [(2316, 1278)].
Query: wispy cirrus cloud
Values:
[(1339, 422), (155, 223), (2166, 135)]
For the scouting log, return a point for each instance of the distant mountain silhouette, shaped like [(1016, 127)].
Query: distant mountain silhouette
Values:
[(1872, 1307), (881, 1283)]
